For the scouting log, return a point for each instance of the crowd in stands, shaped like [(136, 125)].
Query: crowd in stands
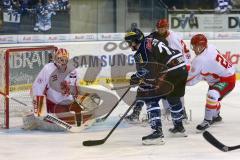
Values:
[(220, 6)]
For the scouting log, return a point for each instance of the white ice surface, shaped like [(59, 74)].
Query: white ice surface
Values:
[(125, 142)]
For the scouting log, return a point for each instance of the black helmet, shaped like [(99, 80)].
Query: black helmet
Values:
[(134, 35)]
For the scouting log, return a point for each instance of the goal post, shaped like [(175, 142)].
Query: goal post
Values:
[(18, 68)]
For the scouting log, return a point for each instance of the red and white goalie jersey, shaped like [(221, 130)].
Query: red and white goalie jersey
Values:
[(212, 67), (56, 85)]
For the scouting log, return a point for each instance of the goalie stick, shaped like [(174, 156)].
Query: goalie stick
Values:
[(14, 99), (101, 141), (63, 124), (212, 140), (105, 117)]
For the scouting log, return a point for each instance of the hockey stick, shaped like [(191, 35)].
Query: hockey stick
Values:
[(14, 99), (101, 141), (123, 87), (105, 117), (63, 124), (212, 140)]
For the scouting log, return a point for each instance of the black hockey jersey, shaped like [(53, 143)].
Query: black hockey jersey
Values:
[(156, 35), (158, 66), (154, 58)]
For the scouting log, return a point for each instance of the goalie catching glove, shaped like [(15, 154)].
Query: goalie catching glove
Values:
[(88, 101)]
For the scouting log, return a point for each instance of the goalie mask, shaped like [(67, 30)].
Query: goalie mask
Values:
[(60, 58), (198, 43)]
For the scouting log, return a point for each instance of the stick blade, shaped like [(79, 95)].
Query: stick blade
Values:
[(93, 142), (212, 140)]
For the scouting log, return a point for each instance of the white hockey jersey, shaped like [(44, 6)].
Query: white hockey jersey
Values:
[(48, 83), (210, 66), (177, 43)]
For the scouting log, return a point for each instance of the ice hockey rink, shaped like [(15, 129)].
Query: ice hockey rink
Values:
[(125, 142)]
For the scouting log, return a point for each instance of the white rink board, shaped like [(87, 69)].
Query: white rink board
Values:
[(105, 50)]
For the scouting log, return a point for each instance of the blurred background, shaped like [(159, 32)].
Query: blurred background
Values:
[(116, 16)]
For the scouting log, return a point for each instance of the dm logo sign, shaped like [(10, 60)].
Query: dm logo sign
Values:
[(184, 22), (234, 22)]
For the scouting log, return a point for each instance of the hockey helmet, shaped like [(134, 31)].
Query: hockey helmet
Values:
[(200, 41), (61, 57), (162, 23), (134, 35)]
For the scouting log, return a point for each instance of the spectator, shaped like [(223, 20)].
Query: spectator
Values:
[(188, 4), (173, 4), (223, 6)]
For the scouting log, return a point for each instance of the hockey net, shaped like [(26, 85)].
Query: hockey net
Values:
[(18, 68)]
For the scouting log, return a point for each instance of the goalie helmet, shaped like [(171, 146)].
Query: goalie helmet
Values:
[(198, 43), (61, 57), (162, 23), (135, 35)]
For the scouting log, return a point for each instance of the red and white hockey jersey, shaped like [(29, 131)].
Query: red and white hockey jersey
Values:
[(212, 67), (48, 83)]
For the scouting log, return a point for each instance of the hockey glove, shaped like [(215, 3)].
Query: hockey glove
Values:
[(134, 79)]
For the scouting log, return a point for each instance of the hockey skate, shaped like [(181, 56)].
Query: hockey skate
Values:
[(155, 138), (178, 131), (204, 125), (216, 119)]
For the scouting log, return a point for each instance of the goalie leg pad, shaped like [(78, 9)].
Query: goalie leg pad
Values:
[(39, 104), (30, 122)]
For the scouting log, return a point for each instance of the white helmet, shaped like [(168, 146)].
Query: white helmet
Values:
[(60, 58)]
